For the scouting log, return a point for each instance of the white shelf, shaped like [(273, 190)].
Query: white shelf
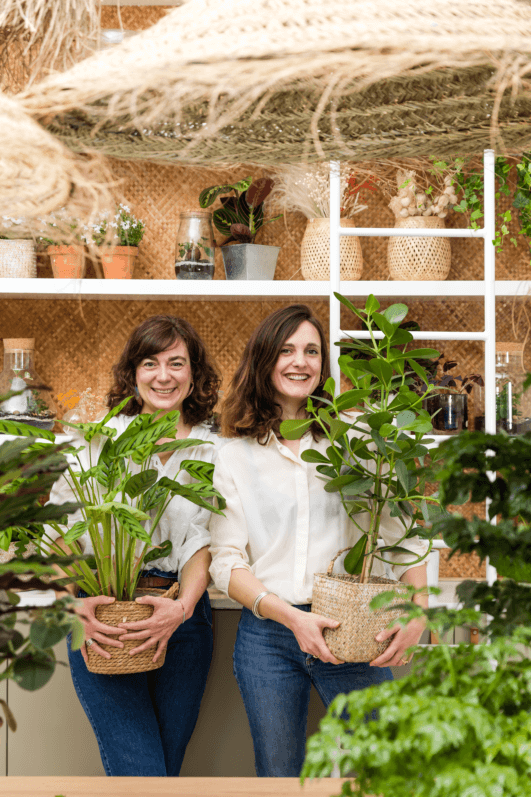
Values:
[(234, 290)]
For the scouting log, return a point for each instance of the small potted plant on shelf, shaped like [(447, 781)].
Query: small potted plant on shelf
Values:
[(239, 219), (120, 511), (65, 239), (416, 206), (306, 189), (118, 237), (17, 249), (372, 462), (448, 403)]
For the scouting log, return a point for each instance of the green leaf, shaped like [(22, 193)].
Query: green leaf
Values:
[(377, 419), (428, 353), (386, 429), (45, 634), (382, 599), (160, 551), (400, 337), (344, 301), (310, 455), (131, 525), (178, 445), (330, 386), (208, 196), (358, 487), (76, 531), (403, 419), (382, 370), (25, 430), (402, 473), (338, 428), (140, 482), (372, 305), (383, 324), (339, 482), (293, 429), (350, 399), (380, 442), (353, 563), (197, 469), (420, 371), (396, 313), (34, 670)]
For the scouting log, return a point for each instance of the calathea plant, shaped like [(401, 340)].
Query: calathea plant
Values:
[(242, 213), (120, 508), (372, 459), (458, 724)]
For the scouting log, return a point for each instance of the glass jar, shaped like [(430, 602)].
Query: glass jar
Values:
[(195, 247), (513, 406), (34, 405)]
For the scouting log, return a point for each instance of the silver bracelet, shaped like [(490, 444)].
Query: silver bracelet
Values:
[(256, 603)]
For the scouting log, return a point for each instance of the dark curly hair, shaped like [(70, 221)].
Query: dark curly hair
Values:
[(250, 409), (154, 335)]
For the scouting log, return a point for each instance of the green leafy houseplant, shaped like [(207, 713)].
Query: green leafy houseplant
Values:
[(377, 468), (242, 214), (122, 229), (117, 505), (458, 725), (27, 471)]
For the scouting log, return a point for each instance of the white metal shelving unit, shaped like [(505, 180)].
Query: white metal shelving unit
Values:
[(486, 289)]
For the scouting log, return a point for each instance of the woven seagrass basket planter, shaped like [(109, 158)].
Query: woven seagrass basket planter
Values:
[(341, 597), (18, 258), (121, 662), (315, 252), (419, 258)]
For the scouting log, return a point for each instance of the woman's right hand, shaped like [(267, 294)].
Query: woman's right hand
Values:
[(308, 630), (94, 629)]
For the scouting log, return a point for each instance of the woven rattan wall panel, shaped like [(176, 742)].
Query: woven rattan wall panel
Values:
[(133, 17)]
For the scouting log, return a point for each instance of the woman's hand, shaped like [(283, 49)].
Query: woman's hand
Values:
[(404, 637), (94, 629), (157, 629), (308, 630)]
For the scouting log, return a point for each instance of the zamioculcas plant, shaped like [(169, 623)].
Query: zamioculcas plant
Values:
[(373, 457), (242, 214)]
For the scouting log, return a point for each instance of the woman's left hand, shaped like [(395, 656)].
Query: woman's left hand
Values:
[(404, 637), (157, 629)]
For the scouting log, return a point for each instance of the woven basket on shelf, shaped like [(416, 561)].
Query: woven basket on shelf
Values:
[(315, 252), (343, 598), (121, 662), (18, 258), (419, 258)]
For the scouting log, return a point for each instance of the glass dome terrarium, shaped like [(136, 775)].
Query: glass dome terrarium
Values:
[(195, 247), (33, 403)]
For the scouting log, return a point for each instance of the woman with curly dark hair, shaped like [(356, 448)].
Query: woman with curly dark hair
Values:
[(143, 721)]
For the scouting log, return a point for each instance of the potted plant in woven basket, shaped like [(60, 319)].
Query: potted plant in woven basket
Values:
[(420, 258), (306, 190), (372, 462), (239, 219), (118, 237), (17, 249), (120, 512)]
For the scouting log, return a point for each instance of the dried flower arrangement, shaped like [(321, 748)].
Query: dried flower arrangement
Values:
[(414, 201), (306, 189)]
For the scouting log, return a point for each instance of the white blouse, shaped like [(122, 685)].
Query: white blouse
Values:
[(281, 524), (183, 523)]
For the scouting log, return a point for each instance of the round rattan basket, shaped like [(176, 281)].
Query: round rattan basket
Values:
[(315, 252), (342, 597), (127, 612), (419, 258), (18, 258)]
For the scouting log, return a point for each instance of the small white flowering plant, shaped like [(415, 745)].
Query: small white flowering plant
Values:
[(58, 229), (121, 229)]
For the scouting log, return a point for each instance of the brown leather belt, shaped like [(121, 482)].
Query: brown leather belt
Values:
[(155, 581)]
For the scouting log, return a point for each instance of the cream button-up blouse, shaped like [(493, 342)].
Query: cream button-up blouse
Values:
[(183, 523), (281, 524)]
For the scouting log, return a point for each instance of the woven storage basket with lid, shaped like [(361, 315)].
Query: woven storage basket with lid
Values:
[(419, 258), (342, 597), (315, 251), (127, 612), (18, 258)]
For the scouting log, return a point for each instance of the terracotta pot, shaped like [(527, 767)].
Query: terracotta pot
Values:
[(67, 261), (118, 262)]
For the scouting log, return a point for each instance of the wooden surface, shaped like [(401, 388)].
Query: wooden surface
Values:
[(176, 787)]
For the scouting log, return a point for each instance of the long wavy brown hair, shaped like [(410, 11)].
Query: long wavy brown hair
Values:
[(154, 335), (250, 408)]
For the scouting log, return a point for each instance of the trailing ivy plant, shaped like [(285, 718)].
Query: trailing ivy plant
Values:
[(372, 459), (458, 725)]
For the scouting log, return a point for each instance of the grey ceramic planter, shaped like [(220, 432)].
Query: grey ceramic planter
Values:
[(250, 261)]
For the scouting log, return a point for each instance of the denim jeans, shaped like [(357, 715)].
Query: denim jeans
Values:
[(143, 721), (274, 677)]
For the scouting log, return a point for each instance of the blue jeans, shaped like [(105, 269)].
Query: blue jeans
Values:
[(274, 677), (143, 721)]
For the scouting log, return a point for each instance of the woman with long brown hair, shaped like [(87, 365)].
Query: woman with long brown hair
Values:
[(280, 527), (143, 721)]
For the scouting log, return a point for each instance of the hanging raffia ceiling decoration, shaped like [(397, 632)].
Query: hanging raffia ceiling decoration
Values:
[(279, 80), (43, 34), (39, 175)]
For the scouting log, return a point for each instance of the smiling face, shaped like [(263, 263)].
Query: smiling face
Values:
[(298, 369), (164, 380)]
